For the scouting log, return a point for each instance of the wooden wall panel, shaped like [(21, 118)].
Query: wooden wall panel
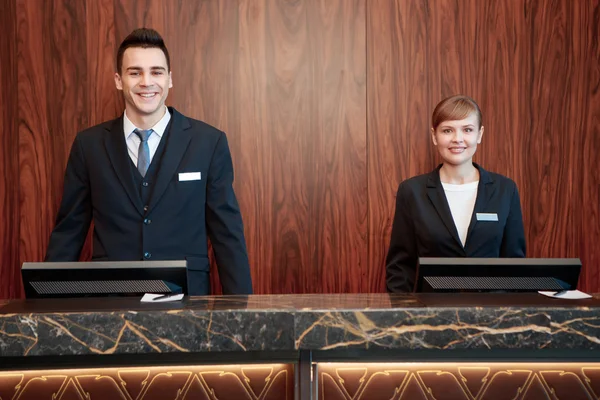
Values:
[(255, 175), (10, 285), (557, 104), (101, 45), (397, 107), (338, 142), (326, 106), (589, 180), (37, 207), (302, 179), (52, 108), (281, 124)]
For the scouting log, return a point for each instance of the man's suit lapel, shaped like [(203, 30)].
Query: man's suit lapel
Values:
[(119, 157), (178, 139), (485, 191), (438, 199)]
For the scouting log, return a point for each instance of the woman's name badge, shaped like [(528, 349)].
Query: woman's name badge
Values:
[(487, 217)]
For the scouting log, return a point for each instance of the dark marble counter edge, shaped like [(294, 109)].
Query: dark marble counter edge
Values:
[(197, 331), (412, 310), (297, 303)]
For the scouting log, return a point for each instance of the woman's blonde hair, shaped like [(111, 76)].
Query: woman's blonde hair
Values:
[(455, 108)]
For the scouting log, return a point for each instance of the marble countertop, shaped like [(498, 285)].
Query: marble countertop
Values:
[(296, 322)]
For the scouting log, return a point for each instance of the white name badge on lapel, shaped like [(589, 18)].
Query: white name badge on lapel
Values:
[(189, 176), (487, 217)]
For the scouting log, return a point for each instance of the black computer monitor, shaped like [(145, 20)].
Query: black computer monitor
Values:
[(103, 278), (497, 274)]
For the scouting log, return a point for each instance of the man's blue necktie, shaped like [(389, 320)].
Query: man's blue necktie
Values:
[(143, 151)]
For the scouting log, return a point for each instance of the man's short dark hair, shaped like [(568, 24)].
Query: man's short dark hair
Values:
[(144, 38)]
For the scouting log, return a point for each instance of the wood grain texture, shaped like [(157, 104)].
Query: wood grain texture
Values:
[(101, 46), (397, 109), (37, 205), (314, 101), (557, 102), (326, 106), (338, 140), (284, 143), (10, 281), (589, 209), (255, 175), (104, 101), (53, 107), (302, 94)]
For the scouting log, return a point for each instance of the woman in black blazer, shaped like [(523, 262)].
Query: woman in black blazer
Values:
[(457, 210)]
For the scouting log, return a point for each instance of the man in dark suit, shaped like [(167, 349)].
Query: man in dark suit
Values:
[(457, 210), (154, 181)]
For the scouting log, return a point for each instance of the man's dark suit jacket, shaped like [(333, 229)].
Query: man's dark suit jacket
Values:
[(173, 225), (423, 225)]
